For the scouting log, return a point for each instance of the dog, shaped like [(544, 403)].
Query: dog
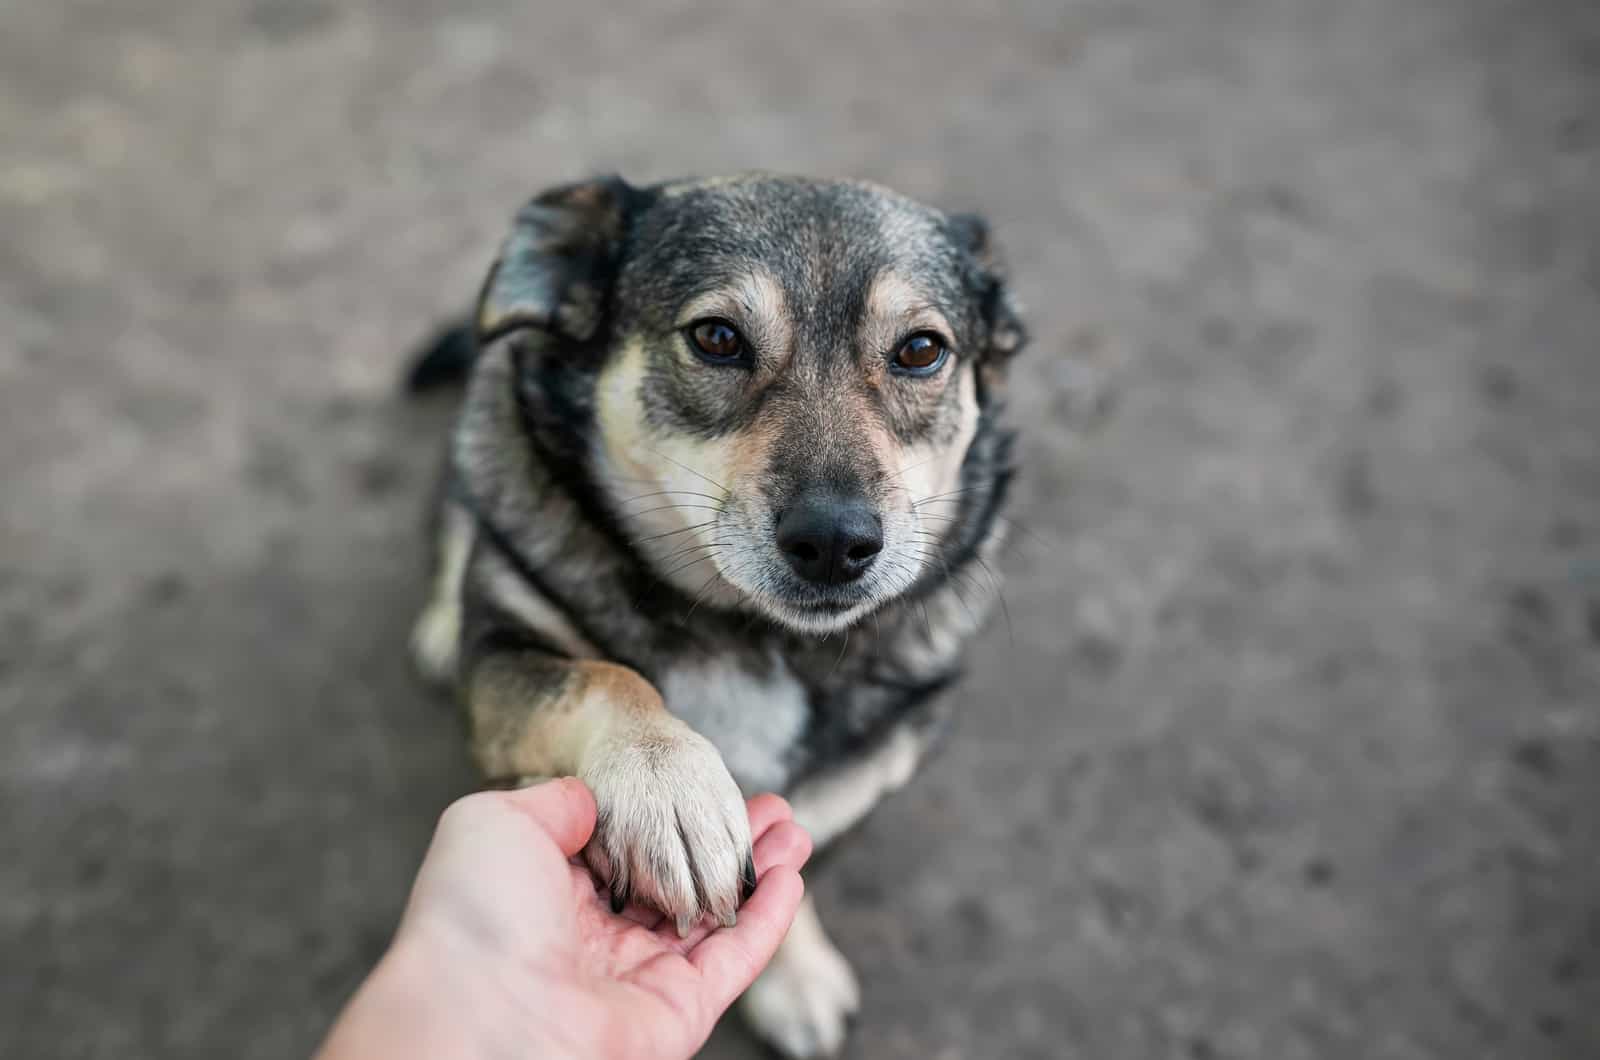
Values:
[(721, 510)]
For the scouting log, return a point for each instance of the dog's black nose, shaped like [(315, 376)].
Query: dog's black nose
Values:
[(830, 539)]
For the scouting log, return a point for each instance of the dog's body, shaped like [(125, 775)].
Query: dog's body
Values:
[(720, 515)]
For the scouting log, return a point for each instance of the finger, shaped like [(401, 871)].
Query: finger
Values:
[(785, 844), (563, 808), (729, 960), (766, 811)]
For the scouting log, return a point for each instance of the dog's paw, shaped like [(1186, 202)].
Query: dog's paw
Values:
[(802, 1004), (672, 830)]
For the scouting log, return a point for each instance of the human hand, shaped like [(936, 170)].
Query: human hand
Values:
[(508, 948)]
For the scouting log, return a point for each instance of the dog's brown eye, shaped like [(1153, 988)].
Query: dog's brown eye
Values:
[(921, 354), (715, 340)]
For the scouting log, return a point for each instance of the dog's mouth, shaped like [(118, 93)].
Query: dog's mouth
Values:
[(829, 605), (809, 614)]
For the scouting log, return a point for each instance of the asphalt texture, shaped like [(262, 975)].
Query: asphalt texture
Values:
[(1291, 745)]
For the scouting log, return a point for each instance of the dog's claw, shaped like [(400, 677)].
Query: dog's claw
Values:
[(619, 901), (729, 920), (747, 879), (685, 924)]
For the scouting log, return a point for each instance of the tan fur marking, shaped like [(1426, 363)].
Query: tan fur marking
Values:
[(932, 470), (536, 716), (621, 687), (661, 482), (895, 307), (671, 829), (756, 304), (750, 460)]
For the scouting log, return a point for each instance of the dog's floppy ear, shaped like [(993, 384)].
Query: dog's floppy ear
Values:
[(556, 266), (999, 307)]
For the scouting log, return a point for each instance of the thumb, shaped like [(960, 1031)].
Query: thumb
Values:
[(564, 809)]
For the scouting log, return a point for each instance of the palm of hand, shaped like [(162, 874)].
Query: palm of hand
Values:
[(638, 980), (587, 981)]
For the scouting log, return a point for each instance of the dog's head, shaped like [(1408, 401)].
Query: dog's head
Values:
[(783, 376)]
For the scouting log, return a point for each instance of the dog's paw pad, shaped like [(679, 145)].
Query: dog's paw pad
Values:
[(802, 1003)]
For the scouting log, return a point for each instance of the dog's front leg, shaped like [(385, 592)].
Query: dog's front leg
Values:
[(672, 831), (803, 1000)]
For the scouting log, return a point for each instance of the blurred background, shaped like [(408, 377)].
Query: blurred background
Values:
[(1293, 747)]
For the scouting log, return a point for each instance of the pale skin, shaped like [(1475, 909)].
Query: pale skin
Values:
[(508, 948)]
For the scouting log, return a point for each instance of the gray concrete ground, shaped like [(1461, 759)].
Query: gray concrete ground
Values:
[(1291, 749)]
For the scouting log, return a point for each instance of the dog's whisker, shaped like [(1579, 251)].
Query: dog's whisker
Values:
[(843, 648), (700, 595), (1000, 520), (955, 588), (920, 463), (955, 576), (685, 566), (643, 480), (687, 549), (994, 579), (669, 493), (970, 579), (1011, 523), (963, 491), (689, 469), (614, 476), (680, 530), (674, 508), (1000, 595), (695, 554)]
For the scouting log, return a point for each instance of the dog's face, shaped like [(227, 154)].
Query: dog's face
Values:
[(787, 377)]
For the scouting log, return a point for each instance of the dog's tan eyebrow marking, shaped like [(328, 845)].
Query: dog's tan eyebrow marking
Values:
[(896, 307), (755, 303), (757, 295)]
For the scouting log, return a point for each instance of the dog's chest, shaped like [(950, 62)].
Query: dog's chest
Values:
[(754, 711)]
